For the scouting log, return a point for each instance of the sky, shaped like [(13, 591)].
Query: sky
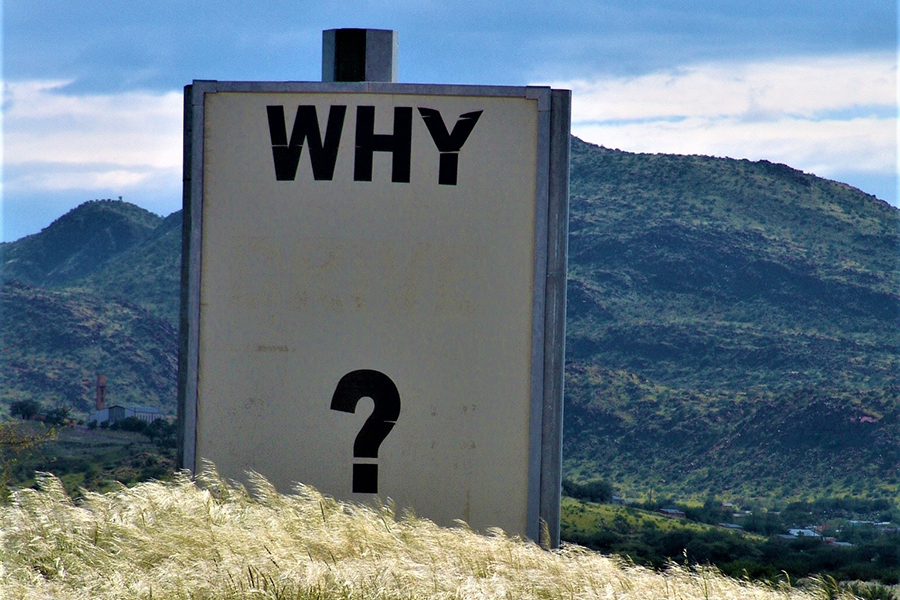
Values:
[(92, 90)]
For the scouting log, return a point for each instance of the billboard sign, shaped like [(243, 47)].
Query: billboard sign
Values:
[(374, 292)]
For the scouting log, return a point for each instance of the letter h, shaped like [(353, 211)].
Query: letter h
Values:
[(368, 142)]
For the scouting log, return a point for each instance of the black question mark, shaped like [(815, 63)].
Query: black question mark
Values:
[(375, 385)]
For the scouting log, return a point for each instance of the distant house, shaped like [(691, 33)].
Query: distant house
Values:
[(730, 525), (672, 513), (803, 533), (116, 412)]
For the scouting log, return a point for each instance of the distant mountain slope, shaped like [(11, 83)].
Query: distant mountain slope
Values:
[(54, 344), (111, 249), (148, 273), (729, 272), (732, 329), (730, 323), (77, 244)]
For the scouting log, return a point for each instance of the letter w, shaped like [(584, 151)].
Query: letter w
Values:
[(306, 127)]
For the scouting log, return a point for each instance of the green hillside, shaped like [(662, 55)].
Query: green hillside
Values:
[(77, 244), (95, 292), (107, 248), (148, 274), (56, 343), (732, 328)]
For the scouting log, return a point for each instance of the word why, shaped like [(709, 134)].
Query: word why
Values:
[(323, 152)]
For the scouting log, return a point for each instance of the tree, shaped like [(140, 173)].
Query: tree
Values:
[(595, 490), (24, 409), (15, 439)]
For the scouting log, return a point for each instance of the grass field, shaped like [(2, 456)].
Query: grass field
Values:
[(213, 540)]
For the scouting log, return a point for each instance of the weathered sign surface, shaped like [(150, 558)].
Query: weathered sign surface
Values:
[(367, 306)]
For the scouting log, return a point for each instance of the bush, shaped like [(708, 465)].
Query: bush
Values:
[(591, 491), (57, 416), (132, 424), (162, 432)]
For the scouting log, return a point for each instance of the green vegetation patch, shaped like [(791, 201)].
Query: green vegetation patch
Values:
[(649, 538)]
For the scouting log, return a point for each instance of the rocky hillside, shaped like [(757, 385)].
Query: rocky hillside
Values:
[(54, 344), (733, 326), (95, 292)]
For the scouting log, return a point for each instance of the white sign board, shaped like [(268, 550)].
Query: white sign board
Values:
[(366, 293)]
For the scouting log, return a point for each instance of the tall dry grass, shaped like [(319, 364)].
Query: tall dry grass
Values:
[(215, 540)]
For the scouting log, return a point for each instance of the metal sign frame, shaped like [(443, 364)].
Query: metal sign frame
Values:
[(549, 272)]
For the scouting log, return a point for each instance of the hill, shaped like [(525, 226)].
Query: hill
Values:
[(148, 273), (77, 244), (54, 344), (94, 292), (732, 326), (106, 248)]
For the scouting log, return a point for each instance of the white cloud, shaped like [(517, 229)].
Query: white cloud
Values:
[(826, 115), (60, 177), (821, 147), (823, 114), (55, 141)]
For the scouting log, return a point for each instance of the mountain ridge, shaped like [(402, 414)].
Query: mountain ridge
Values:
[(77, 243), (730, 289), (732, 325)]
